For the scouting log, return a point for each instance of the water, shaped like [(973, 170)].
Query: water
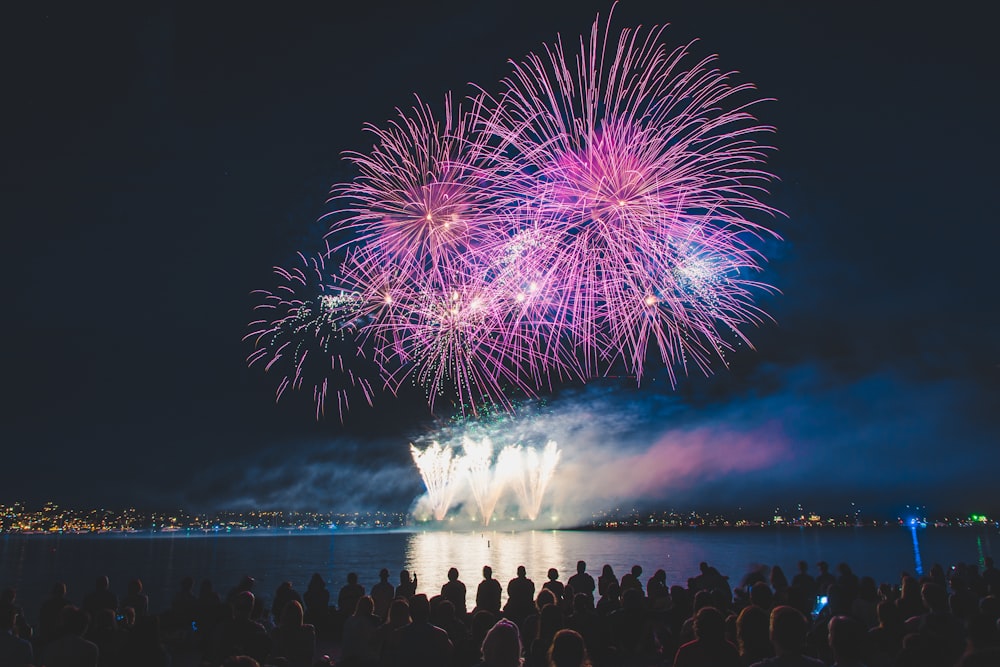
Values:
[(32, 563)]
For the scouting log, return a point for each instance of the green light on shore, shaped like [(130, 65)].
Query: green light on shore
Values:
[(981, 518)]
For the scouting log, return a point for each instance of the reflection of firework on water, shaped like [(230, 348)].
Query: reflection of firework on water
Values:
[(592, 218), (529, 473), (524, 469), (308, 333), (441, 471)]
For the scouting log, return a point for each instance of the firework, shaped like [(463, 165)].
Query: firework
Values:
[(530, 473), (487, 480), (594, 216), (627, 150), (418, 202), (308, 334), (441, 471)]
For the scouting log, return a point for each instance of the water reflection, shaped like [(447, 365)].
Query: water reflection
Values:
[(918, 564), (430, 554)]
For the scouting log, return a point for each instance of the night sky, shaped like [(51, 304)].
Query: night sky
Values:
[(156, 163)]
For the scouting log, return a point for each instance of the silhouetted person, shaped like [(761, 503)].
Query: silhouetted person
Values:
[(631, 633), (71, 649), (709, 648), (806, 585), (443, 616), (550, 621), (454, 592), (14, 651), (581, 582), (657, 591), (568, 650), (49, 614), (102, 597), (8, 604), (421, 644), (209, 612), (847, 641), (382, 594), (553, 584), (991, 577), (241, 635), (752, 638), (135, 598), (387, 635), (502, 646), (407, 587), (184, 602), (360, 646), (606, 578), (910, 604), (943, 629), (632, 580), (317, 602), (779, 582), (284, 594), (788, 636), (520, 596), (585, 621), (488, 593), (610, 601), (350, 593), (886, 639), (824, 579), (293, 640)]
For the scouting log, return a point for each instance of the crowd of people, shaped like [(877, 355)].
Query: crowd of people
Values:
[(941, 619)]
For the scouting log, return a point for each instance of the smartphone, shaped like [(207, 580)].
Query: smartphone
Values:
[(821, 601)]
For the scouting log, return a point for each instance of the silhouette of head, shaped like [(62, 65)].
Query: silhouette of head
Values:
[(103, 583), (487, 572), (847, 638), (581, 566), (803, 567), (404, 576), (521, 572), (352, 577), (420, 608), (291, 615), (383, 574), (243, 605), (788, 629), (710, 625), (567, 649), (553, 574), (637, 571), (453, 574), (502, 645), (365, 606)]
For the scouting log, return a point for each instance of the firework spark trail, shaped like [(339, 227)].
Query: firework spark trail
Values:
[(530, 473), (592, 217), (486, 479), (418, 201), (308, 316), (441, 471), (624, 154)]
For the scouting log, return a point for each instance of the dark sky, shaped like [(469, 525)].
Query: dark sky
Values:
[(156, 163)]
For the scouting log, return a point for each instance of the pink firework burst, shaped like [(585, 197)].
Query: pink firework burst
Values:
[(418, 203), (308, 333), (595, 215), (629, 152)]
